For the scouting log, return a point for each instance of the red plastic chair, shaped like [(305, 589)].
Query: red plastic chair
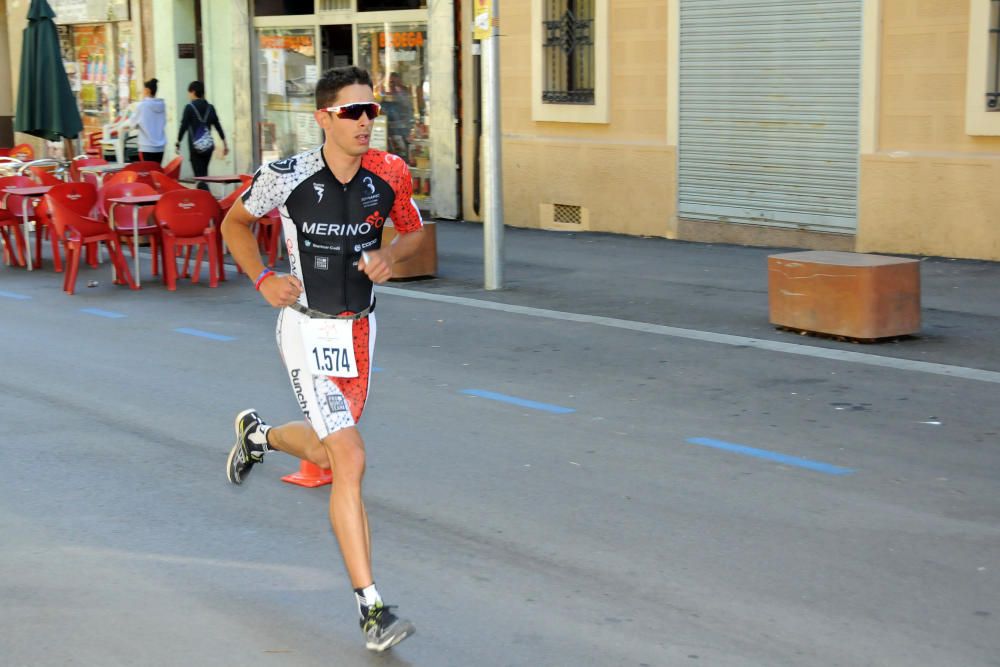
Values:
[(190, 218), (268, 227), (76, 230), (43, 176), (10, 219), (164, 183), (74, 168), (227, 202), (80, 198), (173, 168), (121, 218), (23, 152), (144, 170), (38, 212), (121, 177), (268, 235)]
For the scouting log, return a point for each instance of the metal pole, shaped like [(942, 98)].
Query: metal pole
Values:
[(493, 162)]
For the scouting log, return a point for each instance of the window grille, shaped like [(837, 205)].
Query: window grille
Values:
[(993, 96), (569, 52)]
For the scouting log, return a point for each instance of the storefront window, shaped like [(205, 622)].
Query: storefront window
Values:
[(286, 81), (100, 65), (89, 43), (396, 56)]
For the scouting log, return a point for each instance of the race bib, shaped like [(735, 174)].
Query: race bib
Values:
[(330, 347)]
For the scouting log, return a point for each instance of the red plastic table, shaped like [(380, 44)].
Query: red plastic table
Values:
[(102, 170), (26, 194)]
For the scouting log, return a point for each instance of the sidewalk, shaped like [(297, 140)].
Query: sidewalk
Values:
[(708, 287)]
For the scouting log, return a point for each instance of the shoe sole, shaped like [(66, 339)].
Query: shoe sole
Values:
[(398, 636), (232, 452)]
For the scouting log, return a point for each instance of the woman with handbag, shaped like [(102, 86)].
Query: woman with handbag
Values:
[(198, 119)]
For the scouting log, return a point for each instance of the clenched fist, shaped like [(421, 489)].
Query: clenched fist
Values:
[(281, 290)]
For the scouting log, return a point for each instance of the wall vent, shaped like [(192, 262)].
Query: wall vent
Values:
[(564, 217), (566, 214)]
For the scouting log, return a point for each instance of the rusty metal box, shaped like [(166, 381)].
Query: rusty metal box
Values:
[(844, 293)]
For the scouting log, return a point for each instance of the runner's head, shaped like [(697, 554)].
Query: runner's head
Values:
[(334, 80), (345, 109)]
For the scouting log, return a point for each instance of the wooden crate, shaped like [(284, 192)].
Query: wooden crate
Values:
[(424, 262), (845, 294)]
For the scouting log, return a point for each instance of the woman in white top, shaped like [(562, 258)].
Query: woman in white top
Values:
[(150, 116)]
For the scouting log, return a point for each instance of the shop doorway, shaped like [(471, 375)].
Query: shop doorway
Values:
[(338, 46)]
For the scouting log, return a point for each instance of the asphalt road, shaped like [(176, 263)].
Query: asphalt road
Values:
[(648, 500)]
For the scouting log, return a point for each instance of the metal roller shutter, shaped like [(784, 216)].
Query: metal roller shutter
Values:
[(769, 112)]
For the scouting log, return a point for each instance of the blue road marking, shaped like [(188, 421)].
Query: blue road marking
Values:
[(203, 334), (14, 295), (818, 466), (102, 313), (514, 400)]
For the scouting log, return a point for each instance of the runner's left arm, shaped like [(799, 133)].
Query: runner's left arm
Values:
[(406, 221)]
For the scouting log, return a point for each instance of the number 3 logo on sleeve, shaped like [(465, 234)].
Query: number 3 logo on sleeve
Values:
[(330, 347)]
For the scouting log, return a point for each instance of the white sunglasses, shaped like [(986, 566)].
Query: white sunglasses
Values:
[(354, 110)]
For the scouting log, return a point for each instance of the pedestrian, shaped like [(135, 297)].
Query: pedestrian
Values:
[(198, 120), (334, 200), (150, 116)]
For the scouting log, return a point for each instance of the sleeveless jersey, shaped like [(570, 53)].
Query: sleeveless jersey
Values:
[(327, 224)]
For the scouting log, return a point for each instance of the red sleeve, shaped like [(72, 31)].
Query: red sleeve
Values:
[(393, 170)]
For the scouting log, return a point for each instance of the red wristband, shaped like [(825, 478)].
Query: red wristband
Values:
[(261, 278)]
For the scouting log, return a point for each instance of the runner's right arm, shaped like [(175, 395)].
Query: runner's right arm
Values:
[(278, 290)]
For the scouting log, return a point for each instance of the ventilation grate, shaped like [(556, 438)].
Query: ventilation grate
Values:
[(334, 5), (566, 214)]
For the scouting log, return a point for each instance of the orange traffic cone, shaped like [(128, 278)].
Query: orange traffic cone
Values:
[(310, 475)]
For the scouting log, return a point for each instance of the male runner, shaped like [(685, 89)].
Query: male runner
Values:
[(334, 201)]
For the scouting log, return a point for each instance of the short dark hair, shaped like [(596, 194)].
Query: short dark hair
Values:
[(333, 80), (198, 88), (152, 84)]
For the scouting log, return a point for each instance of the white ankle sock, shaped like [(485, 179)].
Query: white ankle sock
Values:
[(366, 597)]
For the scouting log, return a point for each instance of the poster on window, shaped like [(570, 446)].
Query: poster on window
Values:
[(275, 59), (307, 132)]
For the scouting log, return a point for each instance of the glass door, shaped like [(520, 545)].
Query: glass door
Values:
[(396, 55), (286, 79)]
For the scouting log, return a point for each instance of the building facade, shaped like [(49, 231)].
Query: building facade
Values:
[(865, 125), (101, 43)]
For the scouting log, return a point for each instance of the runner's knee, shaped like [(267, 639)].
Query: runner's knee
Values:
[(347, 454)]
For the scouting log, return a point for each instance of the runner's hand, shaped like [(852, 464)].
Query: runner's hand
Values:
[(281, 290), (377, 265)]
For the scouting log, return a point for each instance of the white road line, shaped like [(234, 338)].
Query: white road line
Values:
[(962, 372)]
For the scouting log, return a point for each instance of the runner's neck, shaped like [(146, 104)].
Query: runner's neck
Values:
[(343, 166)]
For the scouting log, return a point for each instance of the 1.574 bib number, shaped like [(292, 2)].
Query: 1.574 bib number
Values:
[(330, 347)]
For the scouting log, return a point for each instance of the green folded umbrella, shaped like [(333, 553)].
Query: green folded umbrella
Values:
[(46, 106)]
